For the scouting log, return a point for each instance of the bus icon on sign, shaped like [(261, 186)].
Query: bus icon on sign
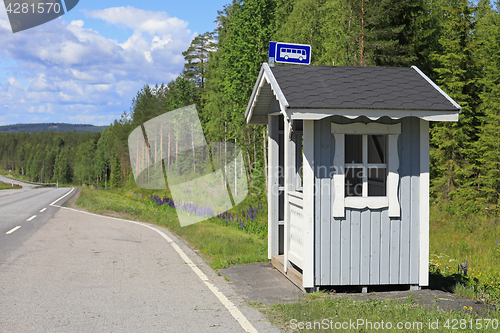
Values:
[(290, 53)]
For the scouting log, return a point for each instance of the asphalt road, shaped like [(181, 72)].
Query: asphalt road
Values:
[(11, 181), (23, 212), (71, 271)]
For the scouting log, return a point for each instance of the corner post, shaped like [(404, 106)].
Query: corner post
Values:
[(308, 210), (423, 279), (273, 186), (288, 187)]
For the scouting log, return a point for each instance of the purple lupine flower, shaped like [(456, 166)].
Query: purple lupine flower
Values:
[(464, 267), (251, 212)]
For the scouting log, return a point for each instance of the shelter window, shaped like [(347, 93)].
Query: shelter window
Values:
[(366, 166)]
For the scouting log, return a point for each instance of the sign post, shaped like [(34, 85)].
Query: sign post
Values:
[(289, 53)]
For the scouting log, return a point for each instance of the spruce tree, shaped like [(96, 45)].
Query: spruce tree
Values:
[(454, 157), (488, 145)]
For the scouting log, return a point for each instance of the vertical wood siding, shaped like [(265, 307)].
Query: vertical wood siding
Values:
[(367, 247)]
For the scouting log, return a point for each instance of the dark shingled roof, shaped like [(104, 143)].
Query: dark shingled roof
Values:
[(336, 87)]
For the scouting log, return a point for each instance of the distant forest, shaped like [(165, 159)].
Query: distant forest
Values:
[(454, 42), (50, 127)]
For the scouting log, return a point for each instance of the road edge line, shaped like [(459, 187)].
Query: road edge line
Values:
[(233, 309), (52, 204)]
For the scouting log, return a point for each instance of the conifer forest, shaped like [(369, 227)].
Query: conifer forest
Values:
[(456, 43)]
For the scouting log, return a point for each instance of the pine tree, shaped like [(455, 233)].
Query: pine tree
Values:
[(103, 156), (116, 180), (245, 29), (62, 169), (196, 57)]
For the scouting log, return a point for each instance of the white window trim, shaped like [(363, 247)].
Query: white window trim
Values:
[(365, 166), (391, 199)]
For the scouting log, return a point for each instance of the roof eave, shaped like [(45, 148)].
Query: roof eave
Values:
[(374, 114), (265, 76)]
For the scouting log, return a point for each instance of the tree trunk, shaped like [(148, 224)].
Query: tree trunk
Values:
[(249, 173), (254, 147), (225, 153), (235, 169), (168, 152), (161, 148), (220, 163), (192, 147), (137, 161), (144, 162)]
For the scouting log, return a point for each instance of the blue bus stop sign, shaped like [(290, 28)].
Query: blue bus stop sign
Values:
[(289, 53)]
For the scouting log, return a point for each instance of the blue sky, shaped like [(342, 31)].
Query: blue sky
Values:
[(86, 66)]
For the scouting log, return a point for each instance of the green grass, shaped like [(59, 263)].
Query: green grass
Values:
[(220, 244), (326, 311), (453, 240), (15, 176), (4, 186), (223, 243)]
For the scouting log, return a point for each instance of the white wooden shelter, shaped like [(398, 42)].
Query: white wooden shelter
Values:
[(348, 171)]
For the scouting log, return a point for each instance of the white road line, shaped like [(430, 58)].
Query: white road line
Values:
[(11, 231), (52, 204), (235, 312), (43, 210), (31, 218)]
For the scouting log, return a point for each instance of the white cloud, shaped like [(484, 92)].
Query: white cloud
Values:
[(159, 43), (41, 84), (41, 109), (76, 70), (141, 20), (13, 82)]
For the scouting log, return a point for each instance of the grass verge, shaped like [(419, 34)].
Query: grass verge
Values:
[(465, 255), (15, 176), (221, 243), (233, 238), (5, 186), (320, 312)]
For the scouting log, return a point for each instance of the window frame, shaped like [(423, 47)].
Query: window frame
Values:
[(366, 166), (389, 201)]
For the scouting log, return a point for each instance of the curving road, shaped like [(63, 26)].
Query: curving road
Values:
[(67, 270), (24, 185), (23, 212)]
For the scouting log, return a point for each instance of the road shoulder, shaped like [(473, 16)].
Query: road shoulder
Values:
[(256, 318)]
